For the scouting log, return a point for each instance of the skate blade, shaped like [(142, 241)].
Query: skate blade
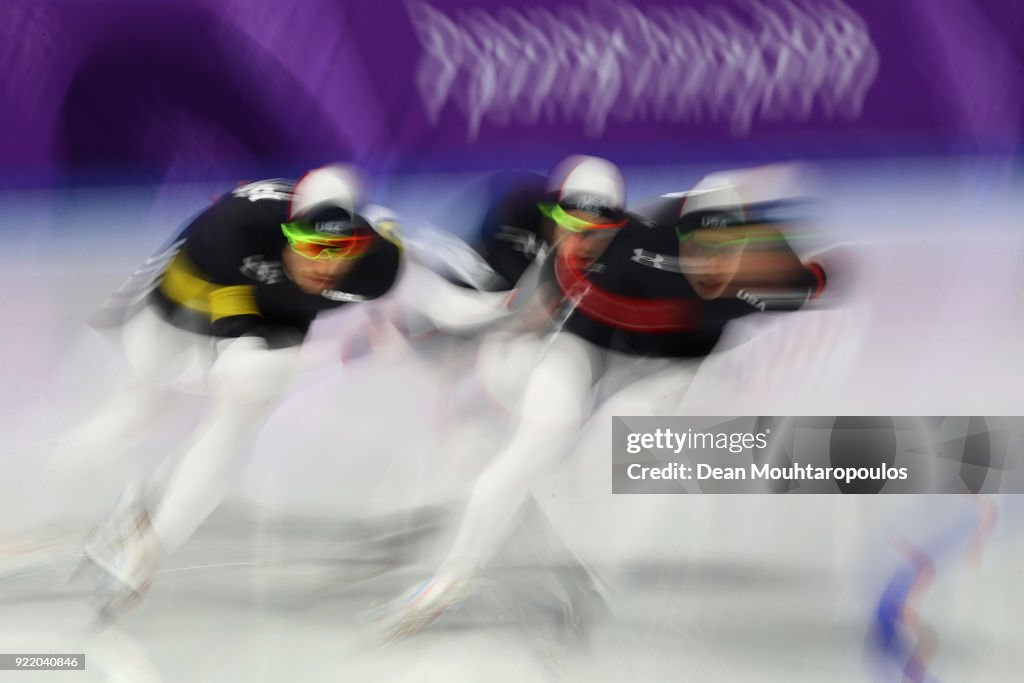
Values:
[(411, 627), (80, 570), (394, 627), (114, 600), (109, 570)]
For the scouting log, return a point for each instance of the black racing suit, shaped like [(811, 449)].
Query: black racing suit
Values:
[(634, 298), (224, 275), (509, 237)]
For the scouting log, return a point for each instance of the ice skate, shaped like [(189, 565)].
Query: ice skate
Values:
[(421, 606), (126, 551)]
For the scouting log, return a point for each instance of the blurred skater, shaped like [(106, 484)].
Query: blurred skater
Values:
[(230, 300), (631, 300)]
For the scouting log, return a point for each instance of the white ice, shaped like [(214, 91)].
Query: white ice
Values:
[(717, 588)]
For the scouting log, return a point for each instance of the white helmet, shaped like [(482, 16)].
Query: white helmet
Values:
[(336, 186), (589, 183), (715, 192)]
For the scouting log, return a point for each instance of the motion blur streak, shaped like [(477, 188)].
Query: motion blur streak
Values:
[(612, 60)]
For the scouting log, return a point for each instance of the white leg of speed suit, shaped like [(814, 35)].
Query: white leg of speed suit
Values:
[(634, 385), (554, 406), (246, 383), (159, 356)]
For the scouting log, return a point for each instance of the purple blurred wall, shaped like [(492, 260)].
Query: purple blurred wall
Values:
[(201, 87)]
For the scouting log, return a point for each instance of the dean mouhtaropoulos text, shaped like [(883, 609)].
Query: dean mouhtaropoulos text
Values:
[(754, 472)]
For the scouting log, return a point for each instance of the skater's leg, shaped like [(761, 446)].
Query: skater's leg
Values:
[(158, 355), (89, 461), (246, 385), (555, 404)]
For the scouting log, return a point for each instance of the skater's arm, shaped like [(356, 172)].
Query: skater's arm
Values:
[(218, 242), (771, 272), (447, 306)]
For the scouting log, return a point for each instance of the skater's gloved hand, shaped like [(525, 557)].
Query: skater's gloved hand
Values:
[(246, 370)]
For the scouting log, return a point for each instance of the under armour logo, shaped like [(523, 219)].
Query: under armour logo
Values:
[(653, 259)]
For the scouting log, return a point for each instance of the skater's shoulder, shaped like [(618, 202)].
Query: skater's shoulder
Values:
[(271, 191), (662, 210), (643, 235), (263, 201)]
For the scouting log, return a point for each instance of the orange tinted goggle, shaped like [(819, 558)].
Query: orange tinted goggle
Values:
[(313, 245), (350, 249)]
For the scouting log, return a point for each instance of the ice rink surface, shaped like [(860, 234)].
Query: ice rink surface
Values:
[(354, 482)]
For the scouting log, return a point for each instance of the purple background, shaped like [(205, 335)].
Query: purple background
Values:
[(122, 89)]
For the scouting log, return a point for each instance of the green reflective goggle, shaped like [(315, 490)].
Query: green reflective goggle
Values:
[(304, 231), (571, 223)]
